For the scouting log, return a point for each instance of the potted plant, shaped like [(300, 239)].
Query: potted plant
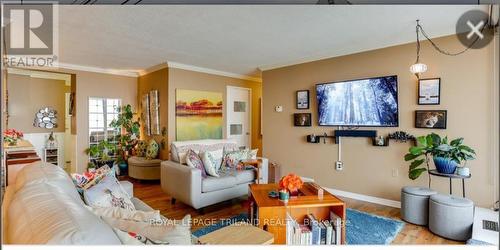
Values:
[(129, 134), (100, 154), (12, 136), (291, 183), (447, 156)]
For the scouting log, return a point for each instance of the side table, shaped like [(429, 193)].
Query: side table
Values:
[(256, 163), (450, 176)]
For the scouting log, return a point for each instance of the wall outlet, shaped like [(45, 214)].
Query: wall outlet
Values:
[(339, 165), (395, 172)]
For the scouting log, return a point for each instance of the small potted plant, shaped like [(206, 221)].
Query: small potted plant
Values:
[(291, 183), (447, 156), (12, 136), (101, 154)]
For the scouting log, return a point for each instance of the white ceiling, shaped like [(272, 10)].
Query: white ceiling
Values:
[(238, 39)]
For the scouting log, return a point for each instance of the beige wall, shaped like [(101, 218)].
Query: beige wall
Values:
[(157, 80), (28, 94), (184, 79), (90, 84), (466, 92)]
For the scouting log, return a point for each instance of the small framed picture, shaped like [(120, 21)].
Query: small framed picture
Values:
[(435, 119), (302, 119), (303, 99), (429, 91)]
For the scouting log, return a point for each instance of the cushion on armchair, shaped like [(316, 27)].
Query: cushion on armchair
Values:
[(152, 149)]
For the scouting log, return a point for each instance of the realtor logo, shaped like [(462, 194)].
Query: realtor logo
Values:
[(30, 34)]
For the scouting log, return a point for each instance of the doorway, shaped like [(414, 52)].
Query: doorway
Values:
[(239, 115)]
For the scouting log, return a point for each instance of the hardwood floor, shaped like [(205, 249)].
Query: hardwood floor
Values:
[(150, 192)]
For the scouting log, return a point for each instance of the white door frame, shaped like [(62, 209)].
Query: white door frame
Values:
[(250, 120)]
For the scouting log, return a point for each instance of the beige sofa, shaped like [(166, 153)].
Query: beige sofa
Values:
[(44, 207), (186, 184)]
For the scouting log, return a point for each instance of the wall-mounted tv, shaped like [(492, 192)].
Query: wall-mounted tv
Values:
[(370, 102)]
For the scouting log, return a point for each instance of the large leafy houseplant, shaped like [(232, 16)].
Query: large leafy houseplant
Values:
[(129, 131), (432, 145)]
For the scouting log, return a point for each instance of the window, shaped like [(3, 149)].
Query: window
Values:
[(101, 112)]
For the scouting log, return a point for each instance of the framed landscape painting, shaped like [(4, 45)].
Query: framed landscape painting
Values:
[(198, 115)]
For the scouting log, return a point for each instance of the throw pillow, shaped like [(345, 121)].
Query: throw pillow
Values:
[(152, 150), (142, 146), (193, 160), (131, 238), (231, 159), (212, 160), (108, 193), (252, 154), (164, 230), (122, 213), (92, 177)]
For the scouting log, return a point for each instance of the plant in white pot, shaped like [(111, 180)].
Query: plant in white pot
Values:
[(446, 156)]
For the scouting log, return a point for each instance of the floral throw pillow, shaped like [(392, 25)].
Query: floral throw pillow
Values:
[(193, 160), (212, 160), (108, 193), (152, 150), (92, 177), (141, 148), (232, 159)]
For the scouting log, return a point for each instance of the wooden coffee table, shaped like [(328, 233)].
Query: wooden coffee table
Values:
[(269, 213), (238, 234)]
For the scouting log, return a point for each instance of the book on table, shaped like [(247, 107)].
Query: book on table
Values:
[(337, 225)]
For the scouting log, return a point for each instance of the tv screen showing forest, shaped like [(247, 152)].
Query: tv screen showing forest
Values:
[(371, 102)]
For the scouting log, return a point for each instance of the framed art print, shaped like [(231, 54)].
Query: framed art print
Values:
[(302, 119), (435, 119), (303, 99), (429, 91)]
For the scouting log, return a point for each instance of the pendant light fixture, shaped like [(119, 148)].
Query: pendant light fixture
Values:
[(417, 68)]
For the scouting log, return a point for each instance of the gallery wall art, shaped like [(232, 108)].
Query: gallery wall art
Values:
[(198, 115)]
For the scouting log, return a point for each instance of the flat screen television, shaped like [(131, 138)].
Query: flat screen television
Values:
[(370, 102)]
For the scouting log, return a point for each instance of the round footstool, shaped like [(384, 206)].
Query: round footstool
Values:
[(451, 217), (415, 204), (143, 169)]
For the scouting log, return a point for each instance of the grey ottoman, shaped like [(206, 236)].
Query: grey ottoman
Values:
[(415, 204), (451, 217)]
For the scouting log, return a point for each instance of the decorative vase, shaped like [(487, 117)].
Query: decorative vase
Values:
[(123, 168), (445, 165), (284, 195), (463, 171)]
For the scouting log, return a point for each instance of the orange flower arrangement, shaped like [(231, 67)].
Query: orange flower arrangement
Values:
[(291, 182)]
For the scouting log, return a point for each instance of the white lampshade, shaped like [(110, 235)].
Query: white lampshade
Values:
[(418, 68)]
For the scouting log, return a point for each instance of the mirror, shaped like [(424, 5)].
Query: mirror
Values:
[(46, 118)]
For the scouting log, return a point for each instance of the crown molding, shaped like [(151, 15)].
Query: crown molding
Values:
[(41, 74), (137, 73), (212, 71), (153, 69), (129, 73)]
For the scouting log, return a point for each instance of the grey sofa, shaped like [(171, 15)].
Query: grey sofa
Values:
[(186, 184)]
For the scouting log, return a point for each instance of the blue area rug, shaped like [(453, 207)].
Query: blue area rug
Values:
[(368, 229), (362, 228)]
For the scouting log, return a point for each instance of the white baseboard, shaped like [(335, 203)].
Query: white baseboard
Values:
[(362, 197)]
